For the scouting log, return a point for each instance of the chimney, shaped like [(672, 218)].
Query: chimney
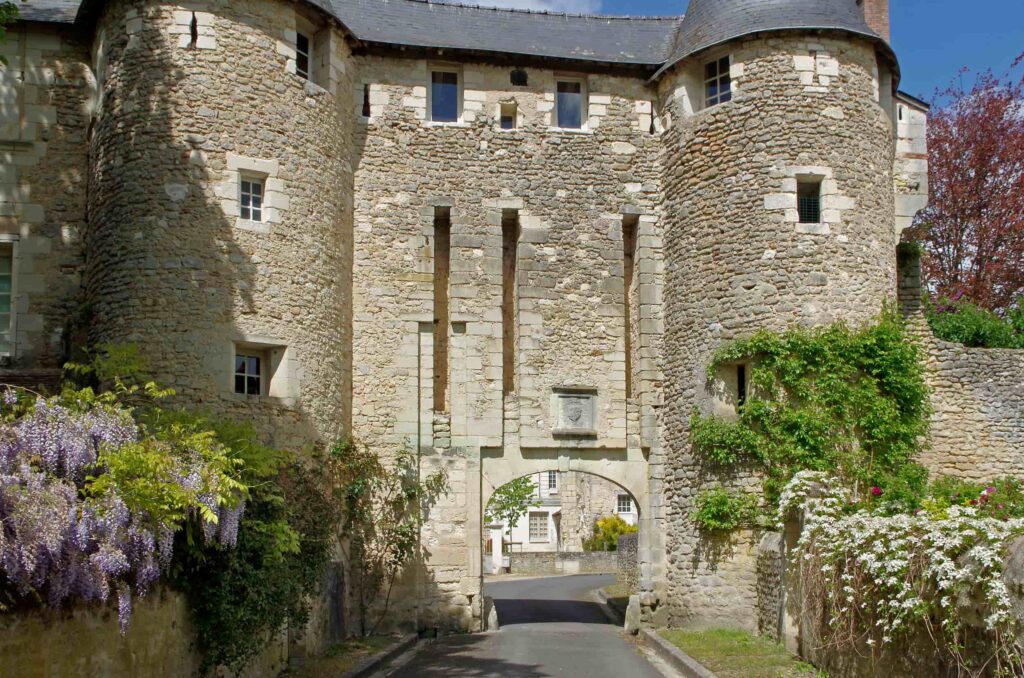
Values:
[(876, 13)]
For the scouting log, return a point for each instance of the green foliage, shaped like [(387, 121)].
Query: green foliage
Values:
[(1003, 499), (606, 534), (965, 323), (511, 502), (382, 507), (850, 402), (720, 510), (8, 15)]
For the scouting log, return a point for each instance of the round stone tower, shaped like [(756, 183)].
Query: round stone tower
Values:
[(778, 212), (221, 206)]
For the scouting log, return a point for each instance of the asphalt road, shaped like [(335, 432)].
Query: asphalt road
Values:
[(549, 627)]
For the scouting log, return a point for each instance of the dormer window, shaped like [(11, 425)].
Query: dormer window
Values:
[(717, 83)]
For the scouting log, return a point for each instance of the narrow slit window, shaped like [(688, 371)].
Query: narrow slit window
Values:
[(302, 55), (508, 115), (717, 83), (193, 32), (6, 298), (251, 199), (444, 96), (741, 385), (808, 194), (442, 269), (509, 270), (569, 104), (248, 374), (366, 100), (629, 227)]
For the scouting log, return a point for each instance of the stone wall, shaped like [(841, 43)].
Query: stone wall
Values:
[(564, 562), (585, 499), (771, 571), (160, 641), (977, 398), (627, 568), (738, 260)]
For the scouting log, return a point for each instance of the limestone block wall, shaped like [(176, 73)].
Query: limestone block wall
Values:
[(738, 259), (45, 89), (171, 265), (585, 499), (571, 190), (627, 567), (977, 423)]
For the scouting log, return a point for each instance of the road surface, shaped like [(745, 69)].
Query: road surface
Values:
[(549, 627)]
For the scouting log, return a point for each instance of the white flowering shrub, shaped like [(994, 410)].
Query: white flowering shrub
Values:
[(870, 579)]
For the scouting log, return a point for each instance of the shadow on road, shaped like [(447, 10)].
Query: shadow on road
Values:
[(454, 656), (532, 611)]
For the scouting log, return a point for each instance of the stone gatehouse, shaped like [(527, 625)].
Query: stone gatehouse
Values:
[(508, 239)]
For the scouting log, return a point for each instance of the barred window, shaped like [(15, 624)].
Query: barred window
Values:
[(251, 199), (248, 374), (538, 526), (808, 194), (625, 503), (303, 56), (717, 83)]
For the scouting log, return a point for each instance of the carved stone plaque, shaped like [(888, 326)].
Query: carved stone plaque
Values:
[(575, 413)]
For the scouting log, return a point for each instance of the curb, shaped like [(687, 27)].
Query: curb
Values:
[(614, 616), (676, 658), (371, 664)]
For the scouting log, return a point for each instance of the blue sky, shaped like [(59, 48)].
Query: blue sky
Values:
[(933, 38)]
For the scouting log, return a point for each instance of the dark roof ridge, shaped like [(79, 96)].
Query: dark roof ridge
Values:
[(544, 12)]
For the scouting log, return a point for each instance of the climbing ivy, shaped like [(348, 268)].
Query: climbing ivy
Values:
[(852, 402)]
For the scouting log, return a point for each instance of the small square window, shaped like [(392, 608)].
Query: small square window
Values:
[(808, 194), (444, 96), (249, 374), (625, 503), (538, 526), (303, 55), (717, 83), (251, 199), (569, 104), (509, 113)]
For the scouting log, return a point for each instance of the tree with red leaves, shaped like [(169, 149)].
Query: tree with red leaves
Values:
[(973, 228)]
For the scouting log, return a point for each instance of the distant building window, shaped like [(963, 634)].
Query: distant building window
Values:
[(302, 56), (538, 526), (251, 199), (444, 96), (6, 298), (249, 373), (569, 104), (552, 480), (717, 84), (808, 195), (509, 112), (625, 503)]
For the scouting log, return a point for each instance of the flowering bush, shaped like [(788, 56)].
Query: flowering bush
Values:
[(960, 321), (90, 500), (869, 578)]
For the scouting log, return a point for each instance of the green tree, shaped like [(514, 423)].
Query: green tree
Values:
[(8, 15), (511, 502), (607, 531)]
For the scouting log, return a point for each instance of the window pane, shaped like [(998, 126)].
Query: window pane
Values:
[(257, 188), (5, 263), (257, 202), (723, 65), (252, 385), (710, 71), (444, 97), (253, 365), (569, 105), (239, 384), (5, 304), (257, 215), (240, 364), (246, 214), (727, 96), (5, 284), (246, 199)]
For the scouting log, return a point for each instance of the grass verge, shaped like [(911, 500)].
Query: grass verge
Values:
[(342, 657), (732, 653)]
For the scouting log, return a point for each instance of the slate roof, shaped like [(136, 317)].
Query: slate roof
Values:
[(649, 42)]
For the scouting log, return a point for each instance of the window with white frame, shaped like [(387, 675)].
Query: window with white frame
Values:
[(303, 55), (625, 503), (569, 104), (538, 526), (444, 96), (249, 372), (250, 198), (717, 83), (553, 481), (6, 298)]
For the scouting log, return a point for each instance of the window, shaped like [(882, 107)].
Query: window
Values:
[(808, 197), (508, 115), (625, 503), (366, 100), (569, 104), (444, 96), (6, 298), (302, 56), (249, 374), (538, 526), (717, 85), (741, 384), (519, 78), (553, 480), (251, 199)]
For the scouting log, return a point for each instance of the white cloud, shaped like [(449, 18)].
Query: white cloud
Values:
[(572, 6)]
